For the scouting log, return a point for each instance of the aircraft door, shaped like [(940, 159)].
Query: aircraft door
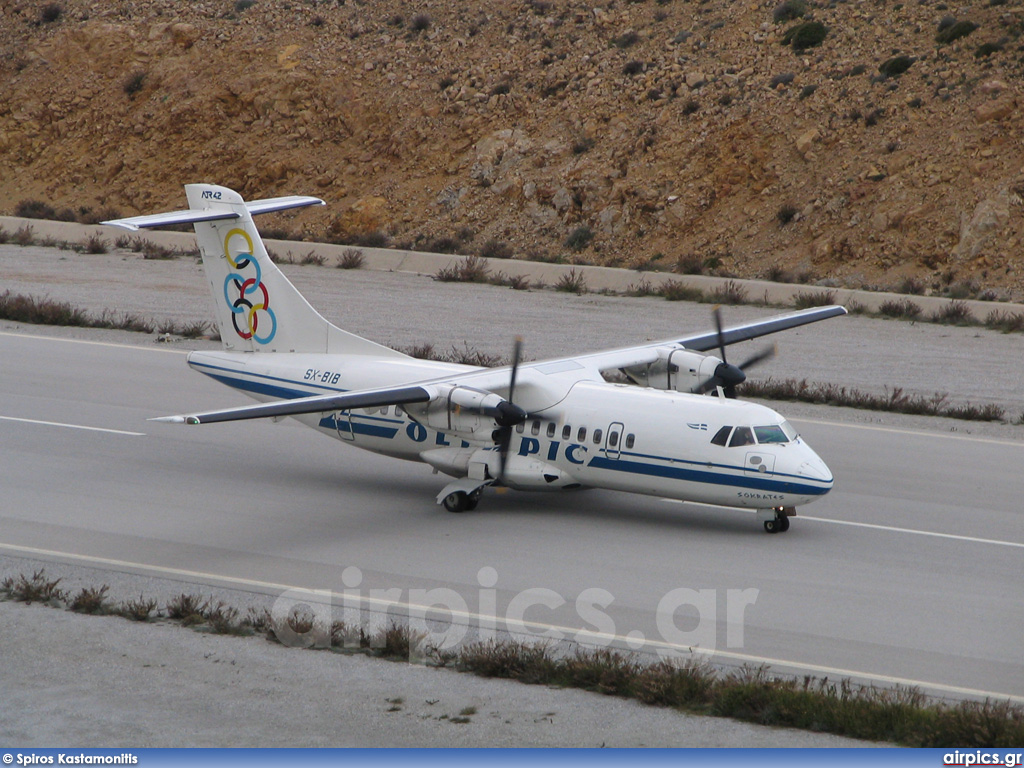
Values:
[(758, 463), (343, 423), (613, 440)]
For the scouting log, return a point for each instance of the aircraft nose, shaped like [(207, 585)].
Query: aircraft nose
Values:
[(813, 468)]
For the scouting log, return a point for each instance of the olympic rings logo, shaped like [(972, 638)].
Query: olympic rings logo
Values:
[(247, 297)]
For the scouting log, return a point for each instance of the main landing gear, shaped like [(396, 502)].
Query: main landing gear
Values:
[(460, 501), (776, 520)]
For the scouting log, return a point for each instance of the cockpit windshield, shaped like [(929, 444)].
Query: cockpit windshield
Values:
[(770, 433)]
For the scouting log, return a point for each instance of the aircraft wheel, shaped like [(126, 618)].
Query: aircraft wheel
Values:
[(458, 501), (770, 526), (783, 523), (473, 499)]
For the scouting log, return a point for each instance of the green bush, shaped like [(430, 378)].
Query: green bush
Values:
[(495, 249), (806, 35), (572, 282), (786, 214), (579, 238), (37, 589), (90, 600), (955, 32), (50, 13), (626, 40), (34, 209), (133, 83), (471, 269), (808, 299), (788, 10), (900, 308), (676, 290), (895, 66)]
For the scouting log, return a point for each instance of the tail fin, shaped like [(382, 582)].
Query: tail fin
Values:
[(257, 308)]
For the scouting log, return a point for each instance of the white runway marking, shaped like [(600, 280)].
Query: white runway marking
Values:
[(95, 343), (72, 426), (320, 595), (974, 539), (914, 432), (892, 528)]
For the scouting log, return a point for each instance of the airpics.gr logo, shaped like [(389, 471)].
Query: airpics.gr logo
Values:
[(247, 297)]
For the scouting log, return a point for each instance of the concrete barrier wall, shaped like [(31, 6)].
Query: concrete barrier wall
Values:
[(597, 278)]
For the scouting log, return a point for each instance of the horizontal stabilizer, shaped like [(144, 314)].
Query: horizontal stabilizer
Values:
[(270, 205), (135, 223), (273, 204)]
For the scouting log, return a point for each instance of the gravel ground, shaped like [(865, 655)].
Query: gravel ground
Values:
[(92, 681)]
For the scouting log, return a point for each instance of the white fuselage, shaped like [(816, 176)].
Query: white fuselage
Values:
[(597, 435)]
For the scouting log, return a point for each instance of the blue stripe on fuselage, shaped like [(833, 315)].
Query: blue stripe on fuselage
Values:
[(712, 464), (709, 478), (358, 427)]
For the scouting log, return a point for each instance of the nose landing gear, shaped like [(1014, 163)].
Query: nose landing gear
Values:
[(776, 520), (460, 501)]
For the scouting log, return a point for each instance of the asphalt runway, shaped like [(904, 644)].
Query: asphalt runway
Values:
[(909, 571)]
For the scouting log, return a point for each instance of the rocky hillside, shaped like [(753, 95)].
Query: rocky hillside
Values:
[(887, 150)]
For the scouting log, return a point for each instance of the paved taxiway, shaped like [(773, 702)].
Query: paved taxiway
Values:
[(910, 570)]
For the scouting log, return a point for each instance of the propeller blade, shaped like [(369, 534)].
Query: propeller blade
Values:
[(765, 354), (504, 439), (517, 349), (717, 312), (510, 414)]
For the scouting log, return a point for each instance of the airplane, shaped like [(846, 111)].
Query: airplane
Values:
[(672, 428)]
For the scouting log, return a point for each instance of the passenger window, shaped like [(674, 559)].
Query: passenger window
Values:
[(722, 436), (535, 428), (742, 436), (613, 439), (597, 436), (581, 436), (551, 429), (384, 410), (398, 410), (630, 440), (520, 427), (566, 432)]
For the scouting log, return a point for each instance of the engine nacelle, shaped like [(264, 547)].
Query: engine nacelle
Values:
[(676, 368), (461, 411)]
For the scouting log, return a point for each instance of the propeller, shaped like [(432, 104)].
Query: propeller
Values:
[(508, 414), (726, 375)]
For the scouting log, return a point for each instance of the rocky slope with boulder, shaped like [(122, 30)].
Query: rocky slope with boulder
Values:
[(877, 145)]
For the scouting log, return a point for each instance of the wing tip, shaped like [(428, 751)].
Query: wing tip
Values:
[(175, 419)]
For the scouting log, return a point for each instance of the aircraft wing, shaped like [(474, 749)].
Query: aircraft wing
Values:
[(543, 382), (702, 342), (365, 398), (705, 341)]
